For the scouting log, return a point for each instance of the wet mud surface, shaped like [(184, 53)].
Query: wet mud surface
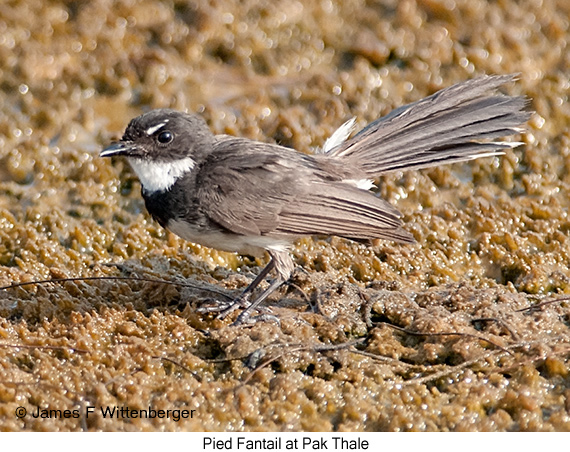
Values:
[(467, 329)]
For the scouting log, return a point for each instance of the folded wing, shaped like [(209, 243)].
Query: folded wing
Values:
[(277, 192)]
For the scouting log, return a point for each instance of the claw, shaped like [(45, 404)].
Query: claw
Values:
[(213, 307), (224, 308), (284, 265), (240, 302)]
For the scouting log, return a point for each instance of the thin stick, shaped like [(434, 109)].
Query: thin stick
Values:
[(114, 278), (500, 322), (46, 347), (183, 367), (312, 348), (450, 370), (451, 333), (544, 303)]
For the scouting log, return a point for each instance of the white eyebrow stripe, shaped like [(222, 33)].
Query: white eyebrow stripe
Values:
[(153, 129)]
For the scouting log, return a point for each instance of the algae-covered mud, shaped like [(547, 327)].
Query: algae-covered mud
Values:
[(467, 329)]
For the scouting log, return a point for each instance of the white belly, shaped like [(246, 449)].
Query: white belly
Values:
[(254, 245)]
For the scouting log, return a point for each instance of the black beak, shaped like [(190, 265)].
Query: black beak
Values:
[(118, 148)]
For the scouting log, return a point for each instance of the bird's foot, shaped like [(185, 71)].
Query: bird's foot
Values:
[(225, 308)]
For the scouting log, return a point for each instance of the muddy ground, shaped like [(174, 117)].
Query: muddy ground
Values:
[(467, 329)]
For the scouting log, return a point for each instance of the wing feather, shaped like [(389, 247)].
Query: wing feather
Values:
[(343, 210), (277, 192)]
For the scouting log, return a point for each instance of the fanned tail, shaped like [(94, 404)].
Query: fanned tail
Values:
[(455, 124)]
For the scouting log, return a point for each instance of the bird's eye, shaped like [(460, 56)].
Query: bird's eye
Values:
[(165, 137)]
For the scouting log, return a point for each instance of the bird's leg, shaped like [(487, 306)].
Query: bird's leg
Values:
[(284, 266), (246, 313), (242, 300)]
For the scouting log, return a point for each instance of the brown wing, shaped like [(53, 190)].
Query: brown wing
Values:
[(258, 189), (343, 210)]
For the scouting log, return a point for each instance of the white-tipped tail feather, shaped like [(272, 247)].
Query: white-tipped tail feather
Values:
[(453, 125), (338, 137)]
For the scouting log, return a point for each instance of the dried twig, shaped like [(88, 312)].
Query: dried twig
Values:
[(313, 348), (183, 367), (500, 322), (115, 278), (544, 303), (46, 347), (450, 333)]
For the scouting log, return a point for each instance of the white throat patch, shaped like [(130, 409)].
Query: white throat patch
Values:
[(160, 176)]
